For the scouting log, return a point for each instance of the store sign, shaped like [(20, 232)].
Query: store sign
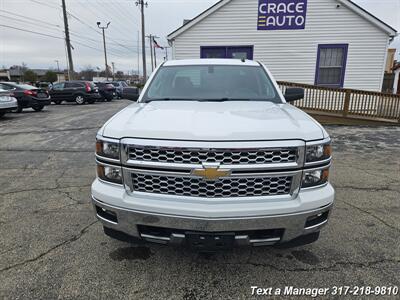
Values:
[(282, 14)]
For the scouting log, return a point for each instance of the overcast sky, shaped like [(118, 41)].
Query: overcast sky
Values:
[(162, 17)]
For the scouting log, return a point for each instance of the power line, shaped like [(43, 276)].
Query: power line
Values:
[(78, 36), (113, 50), (82, 22), (106, 15), (19, 20), (45, 4), (29, 18), (94, 48), (52, 36), (31, 31)]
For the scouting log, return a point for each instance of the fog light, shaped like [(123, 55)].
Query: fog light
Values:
[(317, 219), (107, 214)]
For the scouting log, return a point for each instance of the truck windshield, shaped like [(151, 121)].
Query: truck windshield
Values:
[(212, 83)]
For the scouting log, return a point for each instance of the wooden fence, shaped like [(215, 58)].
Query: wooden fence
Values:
[(348, 102)]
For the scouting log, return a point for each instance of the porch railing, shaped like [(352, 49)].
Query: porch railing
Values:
[(347, 102)]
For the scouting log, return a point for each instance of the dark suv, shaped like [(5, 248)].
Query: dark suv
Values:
[(106, 90), (74, 91)]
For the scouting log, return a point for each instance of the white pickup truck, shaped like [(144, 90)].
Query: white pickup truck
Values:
[(211, 156)]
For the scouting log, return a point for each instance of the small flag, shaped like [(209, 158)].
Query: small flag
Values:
[(156, 45)]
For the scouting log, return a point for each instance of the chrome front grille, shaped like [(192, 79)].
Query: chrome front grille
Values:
[(221, 188), (192, 169), (222, 156)]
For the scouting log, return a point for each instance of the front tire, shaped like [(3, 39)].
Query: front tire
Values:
[(79, 99), (57, 102), (38, 107), (19, 108)]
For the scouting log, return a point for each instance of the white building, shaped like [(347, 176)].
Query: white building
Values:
[(332, 43)]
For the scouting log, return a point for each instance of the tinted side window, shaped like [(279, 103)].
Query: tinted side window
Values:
[(58, 86), (5, 87), (73, 85)]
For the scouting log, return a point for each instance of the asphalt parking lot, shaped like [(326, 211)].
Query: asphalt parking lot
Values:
[(52, 247)]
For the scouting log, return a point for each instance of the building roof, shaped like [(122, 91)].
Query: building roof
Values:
[(348, 3)]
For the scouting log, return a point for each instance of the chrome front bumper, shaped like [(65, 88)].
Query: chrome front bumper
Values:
[(292, 226)]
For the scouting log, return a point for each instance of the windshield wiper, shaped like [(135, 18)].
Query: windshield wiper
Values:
[(198, 99), (166, 99), (222, 99)]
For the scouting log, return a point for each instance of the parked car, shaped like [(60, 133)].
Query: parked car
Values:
[(213, 156), (119, 85), (43, 85), (7, 102), (107, 91), (27, 95), (130, 93), (76, 91)]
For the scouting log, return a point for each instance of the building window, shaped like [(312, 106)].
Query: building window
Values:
[(331, 65), (239, 52)]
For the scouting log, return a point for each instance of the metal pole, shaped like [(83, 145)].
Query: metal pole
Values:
[(58, 65), (151, 51), (138, 54), (68, 41), (142, 5), (104, 44), (155, 55), (113, 70), (66, 56)]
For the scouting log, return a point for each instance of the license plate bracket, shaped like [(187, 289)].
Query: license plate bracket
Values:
[(210, 241)]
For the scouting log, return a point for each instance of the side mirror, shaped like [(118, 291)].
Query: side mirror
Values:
[(293, 94)]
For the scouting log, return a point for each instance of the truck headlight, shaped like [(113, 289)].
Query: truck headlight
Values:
[(315, 177), (318, 152), (111, 174), (108, 149)]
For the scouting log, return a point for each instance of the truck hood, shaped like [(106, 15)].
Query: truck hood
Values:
[(213, 121)]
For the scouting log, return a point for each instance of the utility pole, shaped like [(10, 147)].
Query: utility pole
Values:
[(113, 70), (142, 4), (166, 53), (58, 65), (153, 45), (154, 49), (104, 44), (68, 41), (155, 57), (138, 55), (66, 61), (150, 37)]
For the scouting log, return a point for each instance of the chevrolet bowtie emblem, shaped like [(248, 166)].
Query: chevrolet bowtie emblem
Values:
[(211, 173)]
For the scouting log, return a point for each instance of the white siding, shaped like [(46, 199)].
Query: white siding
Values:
[(291, 54)]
